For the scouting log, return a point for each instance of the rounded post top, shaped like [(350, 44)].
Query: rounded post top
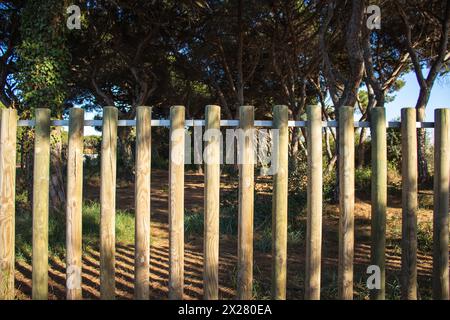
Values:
[(281, 109), (378, 110), (110, 111), (43, 111), (212, 109), (76, 111), (441, 110), (143, 107), (246, 108), (345, 111), (408, 111), (313, 106)]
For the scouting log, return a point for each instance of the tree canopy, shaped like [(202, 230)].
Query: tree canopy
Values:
[(130, 53)]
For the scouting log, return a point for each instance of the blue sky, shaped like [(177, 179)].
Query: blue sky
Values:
[(407, 97)]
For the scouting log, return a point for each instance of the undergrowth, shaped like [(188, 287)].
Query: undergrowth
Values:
[(57, 229)]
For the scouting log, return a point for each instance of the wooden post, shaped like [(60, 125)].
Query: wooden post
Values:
[(379, 196), (314, 204), (108, 204), (176, 203), (212, 203), (142, 198), (246, 196), (8, 131), (74, 204), (346, 202), (441, 207), (409, 203), (280, 203), (41, 178)]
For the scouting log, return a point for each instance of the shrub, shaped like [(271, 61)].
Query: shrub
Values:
[(363, 177), (425, 237), (394, 150)]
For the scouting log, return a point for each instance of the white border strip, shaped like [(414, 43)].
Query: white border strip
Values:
[(223, 123)]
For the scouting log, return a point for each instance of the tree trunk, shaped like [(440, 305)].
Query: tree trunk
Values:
[(295, 143), (335, 197), (57, 185), (331, 164), (27, 172), (361, 149), (240, 54), (125, 151), (424, 174), (327, 144)]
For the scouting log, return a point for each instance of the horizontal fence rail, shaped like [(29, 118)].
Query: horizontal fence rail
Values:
[(223, 123), (177, 123)]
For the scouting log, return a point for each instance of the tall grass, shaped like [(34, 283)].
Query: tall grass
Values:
[(57, 230)]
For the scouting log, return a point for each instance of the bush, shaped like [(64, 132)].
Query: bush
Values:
[(363, 178), (394, 150), (425, 237), (329, 185)]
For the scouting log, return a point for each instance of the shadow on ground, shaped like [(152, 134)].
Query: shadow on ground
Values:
[(228, 255)]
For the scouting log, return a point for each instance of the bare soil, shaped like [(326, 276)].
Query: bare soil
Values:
[(228, 250)]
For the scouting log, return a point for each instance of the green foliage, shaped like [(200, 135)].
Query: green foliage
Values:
[(394, 149), (91, 224), (363, 178), (193, 224), (329, 185), (425, 236), (263, 242), (57, 228), (92, 143), (298, 170), (43, 55)]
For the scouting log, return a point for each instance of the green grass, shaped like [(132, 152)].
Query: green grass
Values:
[(425, 237), (261, 289), (57, 230), (193, 224), (91, 224)]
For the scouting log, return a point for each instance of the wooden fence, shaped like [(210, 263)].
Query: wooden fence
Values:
[(314, 124)]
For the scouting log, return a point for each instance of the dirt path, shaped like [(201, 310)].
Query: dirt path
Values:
[(228, 251)]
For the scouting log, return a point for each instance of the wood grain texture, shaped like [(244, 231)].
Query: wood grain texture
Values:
[(211, 203), (409, 204), (74, 205), (346, 202), (379, 197), (176, 202), (142, 205), (314, 204), (41, 179), (108, 204), (280, 203), (246, 205), (8, 131), (441, 206)]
